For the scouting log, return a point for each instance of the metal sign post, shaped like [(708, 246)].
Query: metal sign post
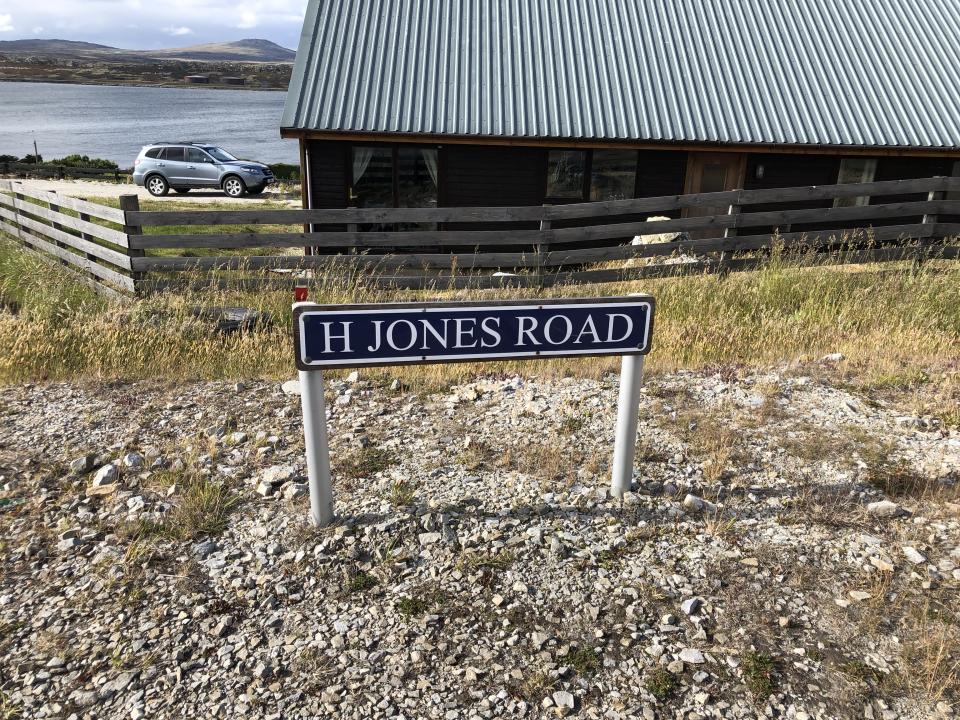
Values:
[(628, 410), (426, 333), (318, 452)]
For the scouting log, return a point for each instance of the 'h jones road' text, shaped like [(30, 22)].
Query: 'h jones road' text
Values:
[(405, 334)]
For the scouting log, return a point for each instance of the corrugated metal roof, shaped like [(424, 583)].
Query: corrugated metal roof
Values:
[(820, 72)]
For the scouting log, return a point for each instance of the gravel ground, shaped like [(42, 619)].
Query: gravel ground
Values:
[(791, 551), (93, 189)]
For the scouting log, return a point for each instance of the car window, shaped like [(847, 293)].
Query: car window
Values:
[(154, 153), (220, 154), (173, 154), (197, 156)]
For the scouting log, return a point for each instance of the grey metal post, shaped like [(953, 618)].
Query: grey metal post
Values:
[(628, 409), (318, 453)]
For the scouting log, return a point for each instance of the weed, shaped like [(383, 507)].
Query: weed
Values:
[(758, 674), (361, 582), (414, 606), (367, 462), (401, 493), (661, 683), (584, 660), (859, 670), (535, 687), (410, 606), (473, 561), (8, 711), (203, 508), (572, 424)]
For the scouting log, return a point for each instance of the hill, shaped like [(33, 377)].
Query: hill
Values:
[(249, 50)]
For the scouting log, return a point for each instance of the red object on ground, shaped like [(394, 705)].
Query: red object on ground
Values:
[(300, 294)]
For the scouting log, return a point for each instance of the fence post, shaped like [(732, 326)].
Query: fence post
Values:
[(57, 226), (929, 221), (131, 203), (729, 232), (545, 227)]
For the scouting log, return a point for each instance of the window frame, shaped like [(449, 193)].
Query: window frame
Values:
[(394, 169), (636, 171), (587, 185)]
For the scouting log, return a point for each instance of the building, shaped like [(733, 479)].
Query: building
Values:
[(412, 103)]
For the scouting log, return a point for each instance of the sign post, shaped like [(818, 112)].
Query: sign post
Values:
[(318, 452), (353, 336)]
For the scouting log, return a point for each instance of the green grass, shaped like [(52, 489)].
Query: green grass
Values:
[(584, 660), (361, 582), (758, 674), (885, 319), (661, 683), (367, 462)]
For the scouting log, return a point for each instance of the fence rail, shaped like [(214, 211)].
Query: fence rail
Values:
[(128, 250)]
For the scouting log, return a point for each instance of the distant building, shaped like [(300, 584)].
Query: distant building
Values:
[(233, 81), (198, 79), (480, 103)]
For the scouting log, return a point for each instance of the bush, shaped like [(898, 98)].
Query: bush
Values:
[(85, 162), (285, 171), (32, 159)]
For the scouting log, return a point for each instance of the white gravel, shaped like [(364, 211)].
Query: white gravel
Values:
[(479, 568)]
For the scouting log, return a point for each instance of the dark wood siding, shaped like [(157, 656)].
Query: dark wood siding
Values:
[(908, 168), (329, 174), (660, 173), (475, 176)]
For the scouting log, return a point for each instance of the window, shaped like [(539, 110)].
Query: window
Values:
[(173, 154), (613, 174), (417, 177), (154, 153), (565, 174), (220, 154), (855, 170), (372, 177), (197, 156)]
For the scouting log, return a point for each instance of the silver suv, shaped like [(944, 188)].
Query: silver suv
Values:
[(183, 166)]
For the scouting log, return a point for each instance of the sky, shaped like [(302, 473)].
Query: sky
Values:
[(150, 24)]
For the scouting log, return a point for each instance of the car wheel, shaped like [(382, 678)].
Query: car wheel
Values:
[(234, 187), (157, 185), (181, 191)]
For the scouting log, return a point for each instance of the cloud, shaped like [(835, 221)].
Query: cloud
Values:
[(248, 20), (110, 21)]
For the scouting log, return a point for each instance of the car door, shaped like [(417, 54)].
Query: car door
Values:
[(202, 168), (173, 166)]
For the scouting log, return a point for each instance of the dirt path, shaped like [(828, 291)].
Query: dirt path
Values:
[(93, 189)]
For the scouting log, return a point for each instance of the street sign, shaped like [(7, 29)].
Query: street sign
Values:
[(414, 333), (352, 336)]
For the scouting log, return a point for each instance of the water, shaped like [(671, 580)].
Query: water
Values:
[(115, 122)]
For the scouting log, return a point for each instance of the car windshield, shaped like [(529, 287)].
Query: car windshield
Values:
[(220, 154)]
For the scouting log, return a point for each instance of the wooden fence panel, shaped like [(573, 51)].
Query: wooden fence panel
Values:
[(544, 254)]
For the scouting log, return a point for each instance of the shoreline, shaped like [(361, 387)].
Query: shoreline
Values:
[(163, 86)]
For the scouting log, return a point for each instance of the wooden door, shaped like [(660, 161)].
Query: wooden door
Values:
[(713, 172)]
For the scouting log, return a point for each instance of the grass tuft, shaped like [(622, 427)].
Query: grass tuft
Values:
[(661, 683), (758, 674)]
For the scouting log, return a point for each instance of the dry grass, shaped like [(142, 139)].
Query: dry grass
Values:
[(886, 319)]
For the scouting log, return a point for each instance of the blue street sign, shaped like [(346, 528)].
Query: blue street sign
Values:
[(415, 333)]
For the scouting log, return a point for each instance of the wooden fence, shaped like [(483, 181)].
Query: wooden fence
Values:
[(62, 172), (129, 250)]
